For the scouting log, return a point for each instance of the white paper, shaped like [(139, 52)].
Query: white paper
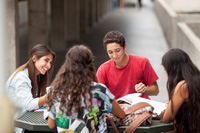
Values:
[(135, 98), (45, 114), (48, 89)]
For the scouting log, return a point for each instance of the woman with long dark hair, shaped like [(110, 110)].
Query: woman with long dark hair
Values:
[(27, 85), (183, 87), (76, 101)]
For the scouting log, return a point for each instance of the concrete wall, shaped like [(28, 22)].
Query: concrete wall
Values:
[(188, 39), (167, 18), (170, 15), (180, 6), (195, 27)]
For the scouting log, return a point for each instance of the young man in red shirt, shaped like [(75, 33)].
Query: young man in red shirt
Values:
[(125, 73)]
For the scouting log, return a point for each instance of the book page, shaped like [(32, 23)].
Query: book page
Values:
[(46, 114), (158, 106), (135, 98), (129, 98)]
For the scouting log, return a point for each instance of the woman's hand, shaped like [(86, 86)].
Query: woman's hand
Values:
[(42, 100)]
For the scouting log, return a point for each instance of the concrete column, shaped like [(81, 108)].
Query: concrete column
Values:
[(104, 7), (84, 15), (58, 25), (23, 31), (110, 5), (99, 9), (92, 12), (38, 25), (8, 9), (73, 20), (3, 42), (107, 5), (12, 48)]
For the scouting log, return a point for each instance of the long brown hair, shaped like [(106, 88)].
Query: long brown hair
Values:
[(179, 66), (74, 80), (38, 82)]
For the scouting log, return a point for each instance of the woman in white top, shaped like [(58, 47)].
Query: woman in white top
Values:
[(27, 85)]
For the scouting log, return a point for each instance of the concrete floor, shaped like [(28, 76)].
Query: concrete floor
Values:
[(143, 35)]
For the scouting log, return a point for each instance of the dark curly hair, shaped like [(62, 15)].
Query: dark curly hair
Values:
[(179, 66), (114, 37), (74, 80)]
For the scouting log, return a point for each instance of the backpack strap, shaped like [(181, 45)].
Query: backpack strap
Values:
[(137, 106), (136, 122), (112, 124)]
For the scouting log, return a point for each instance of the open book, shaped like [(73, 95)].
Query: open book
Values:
[(135, 98)]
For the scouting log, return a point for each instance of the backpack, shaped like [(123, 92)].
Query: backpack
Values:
[(139, 114)]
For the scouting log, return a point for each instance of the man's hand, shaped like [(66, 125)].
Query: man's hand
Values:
[(140, 88)]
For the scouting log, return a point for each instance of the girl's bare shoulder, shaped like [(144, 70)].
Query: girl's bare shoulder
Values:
[(182, 89)]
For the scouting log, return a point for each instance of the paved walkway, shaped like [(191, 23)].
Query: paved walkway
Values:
[(143, 35)]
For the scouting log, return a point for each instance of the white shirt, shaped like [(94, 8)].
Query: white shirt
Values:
[(19, 90)]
